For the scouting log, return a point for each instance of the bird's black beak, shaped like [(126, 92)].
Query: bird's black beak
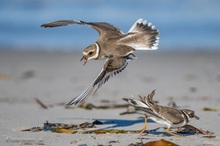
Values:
[(196, 117), (84, 58)]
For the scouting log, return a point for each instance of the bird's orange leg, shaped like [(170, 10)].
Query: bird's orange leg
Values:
[(145, 125)]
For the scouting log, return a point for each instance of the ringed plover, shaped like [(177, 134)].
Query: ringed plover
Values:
[(114, 45), (167, 116)]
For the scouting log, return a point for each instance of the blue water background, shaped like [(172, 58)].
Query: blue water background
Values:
[(184, 25)]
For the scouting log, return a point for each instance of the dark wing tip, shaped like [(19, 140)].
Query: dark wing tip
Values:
[(74, 101), (153, 92), (62, 23), (125, 99), (71, 103), (44, 25)]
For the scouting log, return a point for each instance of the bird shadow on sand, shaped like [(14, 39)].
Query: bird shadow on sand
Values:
[(109, 124), (119, 123), (161, 131)]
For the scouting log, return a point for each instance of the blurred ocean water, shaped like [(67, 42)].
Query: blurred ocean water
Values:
[(189, 25)]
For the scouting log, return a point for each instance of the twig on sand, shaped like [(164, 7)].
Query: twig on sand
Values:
[(41, 103), (192, 129)]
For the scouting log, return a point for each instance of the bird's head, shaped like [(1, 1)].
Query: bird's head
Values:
[(191, 114), (90, 52)]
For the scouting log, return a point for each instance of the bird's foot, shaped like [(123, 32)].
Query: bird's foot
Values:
[(176, 135)]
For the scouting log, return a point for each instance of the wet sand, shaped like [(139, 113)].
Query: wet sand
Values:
[(191, 80)]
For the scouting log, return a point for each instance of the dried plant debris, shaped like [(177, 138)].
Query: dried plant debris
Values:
[(136, 144), (210, 109), (61, 127), (85, 128), (41, 103), (113, 141), (111, 131), (90, 106), (46, 106), (73, 128), (189, 129)]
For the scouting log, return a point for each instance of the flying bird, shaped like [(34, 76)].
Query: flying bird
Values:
[(114, 46)]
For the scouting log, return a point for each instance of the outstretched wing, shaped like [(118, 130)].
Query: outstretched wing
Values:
[(141, 36), (104, 29), (111, 67)]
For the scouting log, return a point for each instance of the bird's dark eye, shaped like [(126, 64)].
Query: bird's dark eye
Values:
[(90, 53), (191, 115)]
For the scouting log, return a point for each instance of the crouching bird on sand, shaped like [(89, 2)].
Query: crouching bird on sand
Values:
[(167, 116)]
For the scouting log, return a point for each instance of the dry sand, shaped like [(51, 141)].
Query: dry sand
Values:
[(192, 80)]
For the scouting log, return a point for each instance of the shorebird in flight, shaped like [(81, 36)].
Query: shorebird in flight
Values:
[(114, 45)]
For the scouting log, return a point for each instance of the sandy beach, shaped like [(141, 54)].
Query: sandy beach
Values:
[(191, 80)]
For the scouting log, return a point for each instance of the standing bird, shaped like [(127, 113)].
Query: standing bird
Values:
[(115, 46), (167, 116)]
